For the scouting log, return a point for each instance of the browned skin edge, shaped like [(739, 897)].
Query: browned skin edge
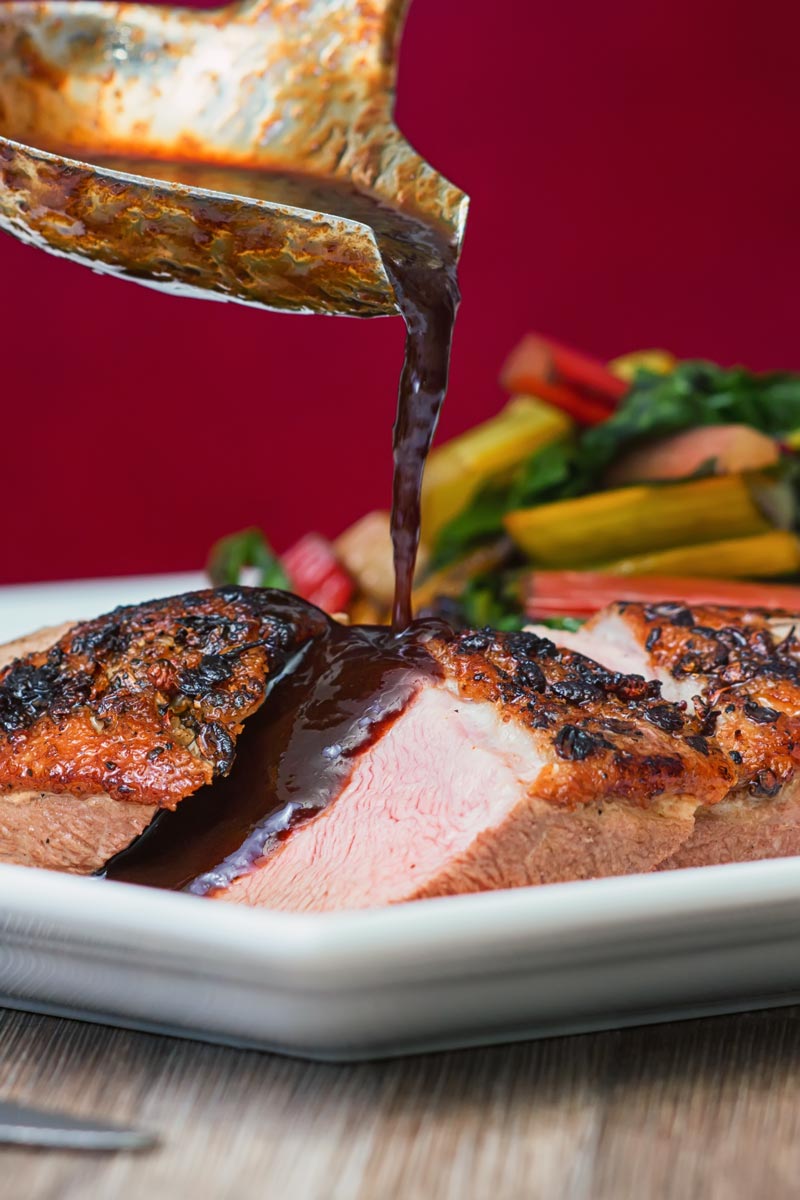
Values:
[(62, 832), (747, 667), (609, 734)]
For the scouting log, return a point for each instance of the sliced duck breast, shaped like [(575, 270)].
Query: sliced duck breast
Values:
[(103, 723), (514, 763)]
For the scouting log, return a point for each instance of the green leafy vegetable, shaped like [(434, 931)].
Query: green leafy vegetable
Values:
[(696, 393), (249, 548), (554, 473), (492, 600), (568, 624), (479, 522)]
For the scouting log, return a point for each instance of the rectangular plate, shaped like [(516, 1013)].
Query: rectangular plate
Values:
[(462, 971)]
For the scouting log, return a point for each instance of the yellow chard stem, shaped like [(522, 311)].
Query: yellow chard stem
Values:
[(633, 520), (758, 557)]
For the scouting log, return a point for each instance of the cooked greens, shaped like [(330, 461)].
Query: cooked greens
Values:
[(696, 393), (231, 555)]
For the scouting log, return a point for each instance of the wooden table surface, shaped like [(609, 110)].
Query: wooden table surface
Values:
[(696, 1109)]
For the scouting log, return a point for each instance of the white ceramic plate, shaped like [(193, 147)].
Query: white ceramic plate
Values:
[(439, 973)]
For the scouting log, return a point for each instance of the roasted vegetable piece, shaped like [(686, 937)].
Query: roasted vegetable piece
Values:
[(581, 593), (451, 580), (762, 556), (365, 550), (584, 409), (655, 362), (365, 612), (538, 362), (459, 468), (717, 449), (611, 525), (316, 574)]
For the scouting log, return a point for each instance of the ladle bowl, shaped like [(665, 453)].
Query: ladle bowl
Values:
[(127, 129)]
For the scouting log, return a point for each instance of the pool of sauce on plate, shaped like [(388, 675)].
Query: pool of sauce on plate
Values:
[(348, 684)]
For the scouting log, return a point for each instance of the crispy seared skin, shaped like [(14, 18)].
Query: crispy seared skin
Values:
[(738, 670), (603, 733), (145, 704), (67, 833)]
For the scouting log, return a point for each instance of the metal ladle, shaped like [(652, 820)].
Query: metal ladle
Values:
[(294, 86)]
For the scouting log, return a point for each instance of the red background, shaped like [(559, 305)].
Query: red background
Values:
[(635, 179)]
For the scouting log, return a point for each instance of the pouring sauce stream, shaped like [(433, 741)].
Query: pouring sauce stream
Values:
[(420, 261), (345, 686)]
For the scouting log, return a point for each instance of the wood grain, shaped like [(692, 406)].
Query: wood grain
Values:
[(705, 1109)]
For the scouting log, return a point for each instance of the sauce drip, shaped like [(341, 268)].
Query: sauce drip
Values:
[(347, 685), (421, 265), (428, 298), (338, 695)]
